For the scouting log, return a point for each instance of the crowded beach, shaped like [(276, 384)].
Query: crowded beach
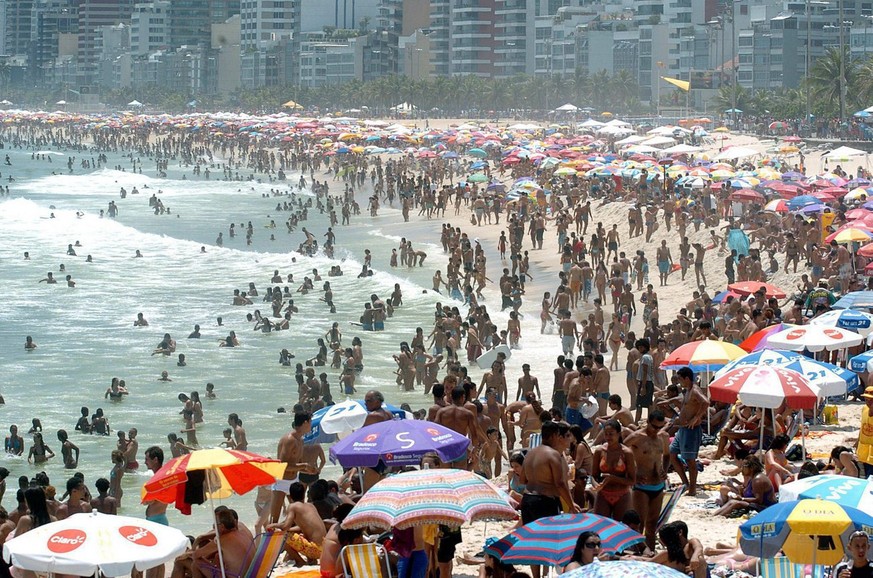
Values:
[(698, 302)]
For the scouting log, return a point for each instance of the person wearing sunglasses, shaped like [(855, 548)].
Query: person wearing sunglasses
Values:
[(586, 550)]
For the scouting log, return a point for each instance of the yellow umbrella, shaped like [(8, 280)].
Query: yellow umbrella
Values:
[(722, 129), (292, 104), (852, 234)]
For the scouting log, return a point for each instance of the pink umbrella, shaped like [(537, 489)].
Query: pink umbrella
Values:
[(764, 386), (857, 214)]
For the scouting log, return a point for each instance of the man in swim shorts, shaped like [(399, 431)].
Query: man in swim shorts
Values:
[(290, 451), (303, 544), (686, 442)]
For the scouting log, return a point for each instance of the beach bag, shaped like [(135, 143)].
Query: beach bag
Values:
[(794, 453)]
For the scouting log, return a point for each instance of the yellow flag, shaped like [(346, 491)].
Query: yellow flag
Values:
[(683, 84)]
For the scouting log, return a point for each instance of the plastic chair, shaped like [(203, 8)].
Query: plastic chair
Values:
[(365, 561)]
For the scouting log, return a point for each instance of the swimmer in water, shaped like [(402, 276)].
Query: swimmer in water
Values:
[(29, 343), (50, 279), (195, 334), (115, 391), (165, 376), (140, 321), (68, 448), (167, 346), (138, 254)]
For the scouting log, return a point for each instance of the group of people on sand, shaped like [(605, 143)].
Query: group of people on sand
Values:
[(589, 450)]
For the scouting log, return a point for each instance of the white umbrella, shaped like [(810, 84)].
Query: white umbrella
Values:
[(61, 102), (85, 544), (813, 338), (857, 321), (134, 103)]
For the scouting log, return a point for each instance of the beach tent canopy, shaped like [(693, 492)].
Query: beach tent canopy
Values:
[(567, 108), (404, 107), (736, 153), (590, 123), (681, 149), (291, 104), (843, 152), (632, 139), (61, 102), (134, 103)]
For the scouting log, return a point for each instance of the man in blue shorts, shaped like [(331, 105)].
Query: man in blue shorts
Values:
[(686, 443)]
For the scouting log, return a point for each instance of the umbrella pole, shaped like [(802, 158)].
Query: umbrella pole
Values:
[(215, 525)]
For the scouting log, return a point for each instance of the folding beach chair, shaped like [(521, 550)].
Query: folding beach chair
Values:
[(668, 503), (534, 440), (782, 567), (365, 561)]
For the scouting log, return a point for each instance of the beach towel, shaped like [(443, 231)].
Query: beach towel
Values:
[(738, 240)]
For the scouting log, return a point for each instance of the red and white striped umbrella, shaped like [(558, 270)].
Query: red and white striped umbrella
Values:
[(765, 386)]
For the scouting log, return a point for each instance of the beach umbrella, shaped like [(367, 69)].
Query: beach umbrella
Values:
[(801, 201), (862, 362), (778, 124), (855, 300), (477, 178), (814, 338), (856, 195), (830, 379), (441, 496), (624, 569), (85, 544), (764, 386), (857, 321), (757, 341), (211, 473), (777, 206), (747, 196), (850, 235), (846, 491), (344, 417), (723, 295), (857, 214), (398, 443), (704, 355), (550, 541), (477, 153), (807, 531), (750, 287)]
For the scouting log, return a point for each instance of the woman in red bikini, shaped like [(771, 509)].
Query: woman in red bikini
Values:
[(614, 471)]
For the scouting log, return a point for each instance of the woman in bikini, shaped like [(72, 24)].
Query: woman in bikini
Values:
[(614, 471), (545, 315), (758, 492), (614, 338)]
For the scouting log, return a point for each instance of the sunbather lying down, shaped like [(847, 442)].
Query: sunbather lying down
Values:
[(732, 557)]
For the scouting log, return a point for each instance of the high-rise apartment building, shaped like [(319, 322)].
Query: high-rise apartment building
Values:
[(93, 15)]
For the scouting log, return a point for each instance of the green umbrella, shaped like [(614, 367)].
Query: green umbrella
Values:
[(477, 178)]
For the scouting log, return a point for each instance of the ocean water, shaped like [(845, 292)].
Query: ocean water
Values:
[(85, 335)]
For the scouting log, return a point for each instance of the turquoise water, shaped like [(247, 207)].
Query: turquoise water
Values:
[(86, 334)]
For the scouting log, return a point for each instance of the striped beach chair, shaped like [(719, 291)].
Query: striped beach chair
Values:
[(365, 561), (669, 502)]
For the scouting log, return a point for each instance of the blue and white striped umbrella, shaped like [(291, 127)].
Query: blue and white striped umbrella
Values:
[(856, 300), (831, 380), (862, 362), (343, 417), (850, 319), (846, 491)]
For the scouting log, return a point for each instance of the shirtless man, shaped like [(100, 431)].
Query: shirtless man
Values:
[(496, 379), (460, 419), (76, 503), (439, 401), (290, 451), (527, 383), (620, 414), (239, 432), (690, 434), (569, 333), (497, 413), (650, 445), (545, 477), (601, 384), (304, 527), (235, 546), (665, 262)]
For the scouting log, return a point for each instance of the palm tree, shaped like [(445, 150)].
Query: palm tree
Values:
[(582, 86), (826, 82), (625, 89), (731, 96), (600, 92)]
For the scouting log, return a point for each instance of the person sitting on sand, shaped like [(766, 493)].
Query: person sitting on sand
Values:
[(204, 561), (757, 490), (304, 527)]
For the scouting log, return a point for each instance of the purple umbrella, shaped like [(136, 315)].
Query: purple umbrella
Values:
[(398, 443)]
